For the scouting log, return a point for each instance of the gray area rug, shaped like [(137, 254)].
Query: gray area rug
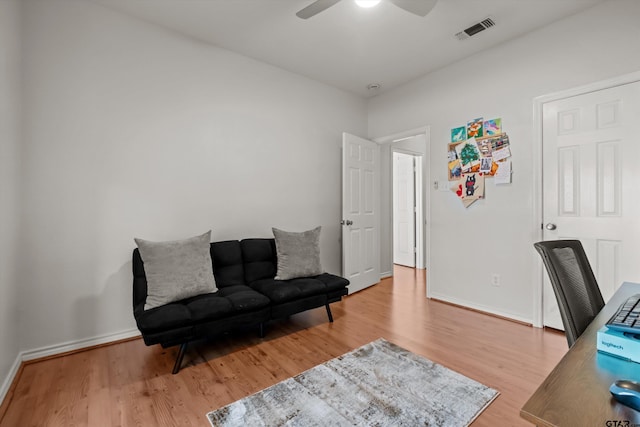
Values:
[(379, 384)]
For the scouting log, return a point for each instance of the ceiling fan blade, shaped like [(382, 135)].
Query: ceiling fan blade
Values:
[(417, 7), (315, 7)]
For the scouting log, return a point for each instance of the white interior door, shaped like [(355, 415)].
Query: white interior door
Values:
[(404, 210), (360, 216), (590, 180)]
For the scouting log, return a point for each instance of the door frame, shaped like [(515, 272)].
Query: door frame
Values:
[(538, 196), (423, 253)]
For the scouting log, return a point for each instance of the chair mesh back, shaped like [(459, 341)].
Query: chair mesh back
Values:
[(574, 284)]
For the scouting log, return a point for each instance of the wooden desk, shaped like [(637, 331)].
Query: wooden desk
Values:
[(576, 392)]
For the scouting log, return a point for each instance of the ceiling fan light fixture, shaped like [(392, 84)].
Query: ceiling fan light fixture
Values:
[(417, 7), (367, 3)]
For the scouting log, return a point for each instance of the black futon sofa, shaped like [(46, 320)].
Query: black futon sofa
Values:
[(248, 295)]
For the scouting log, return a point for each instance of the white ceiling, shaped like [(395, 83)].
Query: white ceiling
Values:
[(346, 46)]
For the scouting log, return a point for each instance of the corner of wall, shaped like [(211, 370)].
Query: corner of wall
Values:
[(10, 146)]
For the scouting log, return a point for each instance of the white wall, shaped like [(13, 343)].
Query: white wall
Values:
[(495, 235), (9, 184), (134, 131)]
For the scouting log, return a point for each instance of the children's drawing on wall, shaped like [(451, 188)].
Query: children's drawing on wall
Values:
[(485, 164), (458, 188), (470, 187), (474, 128), (458, 134), (468, 154), (454, 163), (478, 151), (492, 127), (473, 186)]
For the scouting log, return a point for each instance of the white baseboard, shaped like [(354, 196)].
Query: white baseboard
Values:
[(52, 350), (9, 379), (386, 274), (479, 307)]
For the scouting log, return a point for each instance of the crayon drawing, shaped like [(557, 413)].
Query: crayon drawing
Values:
[(454, 163), (474, 128), (468, 154), (458, 134), (454, 170), (473, 186), (492, 127)]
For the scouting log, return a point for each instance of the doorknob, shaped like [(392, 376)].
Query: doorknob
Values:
[(347, 222), (550, 226)]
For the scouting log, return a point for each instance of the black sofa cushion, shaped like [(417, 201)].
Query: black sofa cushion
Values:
[(280, 291), (333, 282), (168, 316), (228, 268), (226, 302), (259, 259)]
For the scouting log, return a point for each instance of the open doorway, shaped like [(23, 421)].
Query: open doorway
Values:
[(407, 212), (414, 142), (407, 201)]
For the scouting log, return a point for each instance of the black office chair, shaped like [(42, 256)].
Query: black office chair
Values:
[(576, 289)]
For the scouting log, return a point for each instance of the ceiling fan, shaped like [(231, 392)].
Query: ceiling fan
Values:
[(417, 7)]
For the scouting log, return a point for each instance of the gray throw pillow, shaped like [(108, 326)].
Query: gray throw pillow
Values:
[(298, 253), (177, 269)]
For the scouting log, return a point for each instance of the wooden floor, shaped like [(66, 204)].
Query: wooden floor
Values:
[(131, 384)]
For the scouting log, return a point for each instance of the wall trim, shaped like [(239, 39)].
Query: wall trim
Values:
[(57, 350), (8, 382), (385, 275), (480, 308), (537, 277), (70, 346)]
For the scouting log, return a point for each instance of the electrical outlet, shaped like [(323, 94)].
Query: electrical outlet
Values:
[(495, 279)]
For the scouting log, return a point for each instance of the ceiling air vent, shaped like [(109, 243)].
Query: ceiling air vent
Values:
[(475, 29)]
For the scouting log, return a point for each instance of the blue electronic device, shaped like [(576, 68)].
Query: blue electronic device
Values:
[(626, 392)]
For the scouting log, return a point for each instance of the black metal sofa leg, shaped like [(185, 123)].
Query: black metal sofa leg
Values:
[(183, 349), (329, 312)]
